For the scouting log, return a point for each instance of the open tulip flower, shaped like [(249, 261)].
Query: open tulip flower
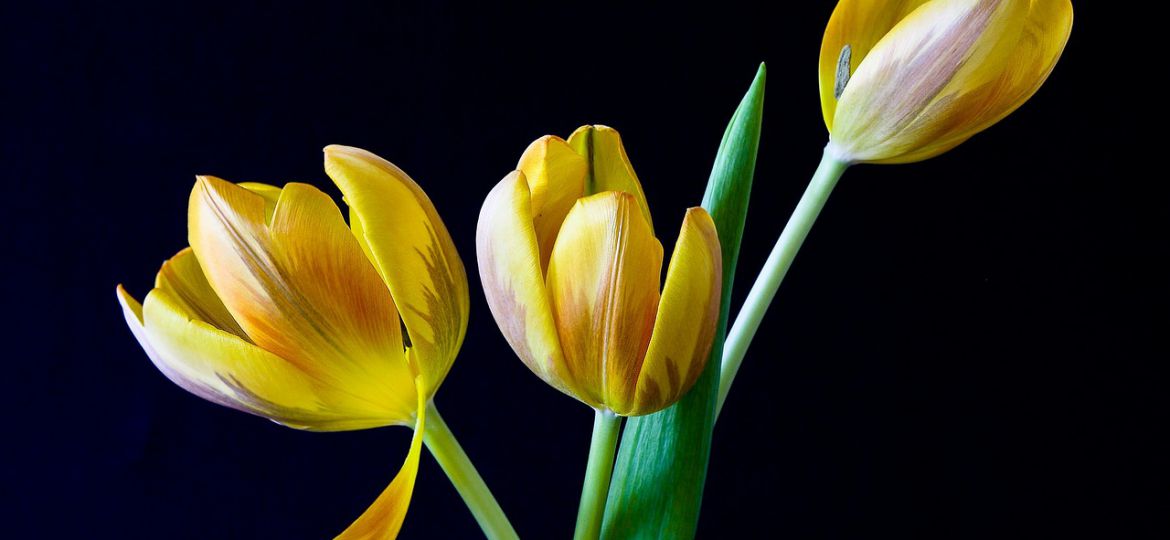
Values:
[(906, 80), (572, 272), (281, 310)]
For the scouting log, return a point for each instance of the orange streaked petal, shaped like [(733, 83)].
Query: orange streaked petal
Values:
[(412, 250), (224, 369), (687, 316), (556, 179), (383, 519), (509, 268), (609, 166), (603, 280), (300, 286)]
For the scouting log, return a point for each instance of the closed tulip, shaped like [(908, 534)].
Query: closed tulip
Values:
[(572, 273), (281, 309), (906, 80)]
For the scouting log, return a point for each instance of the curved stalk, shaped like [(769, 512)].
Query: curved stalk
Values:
[(764, 289), (454, 461)]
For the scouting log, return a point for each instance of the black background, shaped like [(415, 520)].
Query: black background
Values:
[(965, 347)]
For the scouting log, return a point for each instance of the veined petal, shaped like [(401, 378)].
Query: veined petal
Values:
[(509, 268), (223, 368), (609, 166), (383, 519), (687, 316), (946, 71), (413, 252), (604, 282), (858, 24), (556, 179), (301, 288)]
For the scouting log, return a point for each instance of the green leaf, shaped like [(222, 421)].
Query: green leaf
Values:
[(657, 486)]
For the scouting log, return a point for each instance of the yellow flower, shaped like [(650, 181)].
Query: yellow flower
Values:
[(906, 80), (281, 310), (572, 273)]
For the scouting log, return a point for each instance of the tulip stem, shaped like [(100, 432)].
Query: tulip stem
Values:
[(768, 282), (597, 474), (454, 461)]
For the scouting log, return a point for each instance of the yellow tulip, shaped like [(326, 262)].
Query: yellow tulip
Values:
[(281, 310), (572, 273), (906, 80)]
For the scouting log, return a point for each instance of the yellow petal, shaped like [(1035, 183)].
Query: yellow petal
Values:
[(223, 368), (860, 24), (413, 252), (301, 288), (556, 179), (687, 316), (509, 268), (609, 166), (383, 519), (945, 72), (177, 373), (604, 280), (184, 279)]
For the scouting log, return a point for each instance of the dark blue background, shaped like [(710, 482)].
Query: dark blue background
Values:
[(965, 347)]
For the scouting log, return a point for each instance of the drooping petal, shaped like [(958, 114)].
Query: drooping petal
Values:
[(509, 268), (604, 282), (412, 250), (945, 72), (687, 316), (609, 166), (556, 179), (301, 288), (383, 519), (858, 24)]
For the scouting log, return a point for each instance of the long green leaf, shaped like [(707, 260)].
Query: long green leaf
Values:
[(657, 486)]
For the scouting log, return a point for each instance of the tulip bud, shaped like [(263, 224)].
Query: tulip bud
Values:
[(904, 81), (571, 269)]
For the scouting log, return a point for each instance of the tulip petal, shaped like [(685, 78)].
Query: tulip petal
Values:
[(184, 279), (301, 288), (509, 268), (859, 24), (945, 72), (223, 368), (413, 252), (132, 311), (383, 519), (556, 179), (609, 166), (687, 316), (604, 282)]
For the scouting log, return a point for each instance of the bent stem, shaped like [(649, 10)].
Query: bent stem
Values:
[(764, 289), (597, 474), (454, 461)]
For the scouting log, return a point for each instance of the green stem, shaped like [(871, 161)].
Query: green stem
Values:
[(605, 434), (764, 289), (454, 461)]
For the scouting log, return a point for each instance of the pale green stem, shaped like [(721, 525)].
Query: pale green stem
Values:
[(766, 285), (454, 461), (605, 435)]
